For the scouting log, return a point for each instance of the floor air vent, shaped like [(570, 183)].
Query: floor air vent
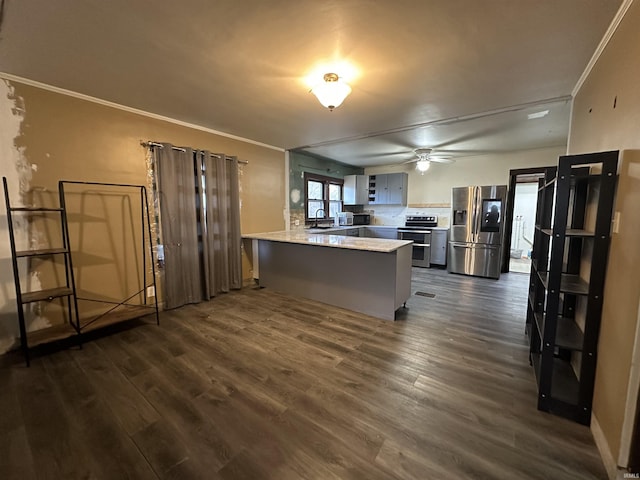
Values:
[(425, 294)]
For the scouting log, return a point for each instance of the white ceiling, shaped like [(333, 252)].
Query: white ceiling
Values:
[(456, 75)]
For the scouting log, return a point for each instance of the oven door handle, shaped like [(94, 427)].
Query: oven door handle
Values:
[(419, 232), (421, 244)]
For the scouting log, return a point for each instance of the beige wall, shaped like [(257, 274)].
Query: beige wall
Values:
[(606, 116), (62, 137), (431, 193), (435, 185)]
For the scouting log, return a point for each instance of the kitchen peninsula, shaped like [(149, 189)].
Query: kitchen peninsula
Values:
[(367, 275)]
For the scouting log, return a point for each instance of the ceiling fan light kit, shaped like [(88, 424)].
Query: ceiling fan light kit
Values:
[(424, 158), (423, 165), (332, 91)]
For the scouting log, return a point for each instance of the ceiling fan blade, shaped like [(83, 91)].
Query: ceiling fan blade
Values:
[(443, 160), (386, 154)]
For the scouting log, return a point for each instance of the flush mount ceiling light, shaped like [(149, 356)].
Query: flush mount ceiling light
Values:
[(332, 91)]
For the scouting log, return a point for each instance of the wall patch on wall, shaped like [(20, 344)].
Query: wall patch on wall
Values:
[(295, 196), (18, 171)]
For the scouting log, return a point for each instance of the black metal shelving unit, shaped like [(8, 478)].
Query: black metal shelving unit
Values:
[(65, 292), (569, 262)]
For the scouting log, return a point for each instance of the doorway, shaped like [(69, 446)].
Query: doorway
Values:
[(515, 243), (522, 227)]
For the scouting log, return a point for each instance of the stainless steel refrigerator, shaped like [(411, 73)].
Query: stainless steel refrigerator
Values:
[(475, 242)]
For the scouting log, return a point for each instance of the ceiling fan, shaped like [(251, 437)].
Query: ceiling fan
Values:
[(424, 157)]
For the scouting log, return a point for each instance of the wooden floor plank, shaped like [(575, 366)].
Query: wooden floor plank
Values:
[(125, 402), (256, 384), (56, 448), (108, 448)]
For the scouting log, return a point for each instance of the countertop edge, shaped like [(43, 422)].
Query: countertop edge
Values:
[(328, 240)]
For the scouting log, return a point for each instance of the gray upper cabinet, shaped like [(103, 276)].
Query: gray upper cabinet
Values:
[(356, 189), (388, 189)]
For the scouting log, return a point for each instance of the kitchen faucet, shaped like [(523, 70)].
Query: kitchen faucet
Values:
[(323, 214)]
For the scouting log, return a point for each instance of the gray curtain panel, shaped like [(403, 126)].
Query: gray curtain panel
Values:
[(177, 198), (200, 219), (220, 210)]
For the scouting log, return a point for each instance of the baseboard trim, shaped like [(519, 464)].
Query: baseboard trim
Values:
[(603, 447)]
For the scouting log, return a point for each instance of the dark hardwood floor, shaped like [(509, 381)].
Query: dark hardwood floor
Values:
[(255, 384)]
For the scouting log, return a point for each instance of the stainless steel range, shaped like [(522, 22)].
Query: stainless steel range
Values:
[(418, 229)]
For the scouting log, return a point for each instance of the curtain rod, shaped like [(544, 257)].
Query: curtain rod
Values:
[(156, 144)]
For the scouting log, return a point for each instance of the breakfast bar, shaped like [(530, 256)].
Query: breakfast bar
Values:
[(367, 275)]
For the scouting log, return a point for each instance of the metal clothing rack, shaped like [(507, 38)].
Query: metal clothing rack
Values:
[(122, 310)]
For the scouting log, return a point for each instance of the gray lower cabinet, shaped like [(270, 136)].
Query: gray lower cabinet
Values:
[(390, 233), (345, 232), (439, 247)]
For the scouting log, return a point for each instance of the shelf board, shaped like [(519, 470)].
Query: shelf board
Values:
[(50, 334), (34, 209), (531, 302), (536, 266), (48, 294), (544, 277), (535, 361), (568, 334), (571, 232), (564, 383), (41, 252), (573, 284), (565, 386), (576, 232), (539, 320), (121, 314), (568, 283)]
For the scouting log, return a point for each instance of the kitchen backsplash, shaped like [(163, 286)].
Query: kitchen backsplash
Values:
[(386, 215), (390, 215)]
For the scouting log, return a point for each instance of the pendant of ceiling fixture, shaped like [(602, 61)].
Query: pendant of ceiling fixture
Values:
[(332, 91), (423, 163), (425, 157)]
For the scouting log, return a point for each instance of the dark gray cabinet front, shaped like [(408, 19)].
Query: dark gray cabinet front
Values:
[(439, 247)]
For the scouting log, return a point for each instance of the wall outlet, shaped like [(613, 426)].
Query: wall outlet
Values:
[(296, 222), (151, 291)]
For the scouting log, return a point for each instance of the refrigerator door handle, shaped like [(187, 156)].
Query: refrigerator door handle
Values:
[(476, 206), (480, 246)]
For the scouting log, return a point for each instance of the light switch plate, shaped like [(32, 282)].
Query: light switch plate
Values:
[(616, 222)]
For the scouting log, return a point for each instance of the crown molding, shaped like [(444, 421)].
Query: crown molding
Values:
[(602, 45), (155, 116)]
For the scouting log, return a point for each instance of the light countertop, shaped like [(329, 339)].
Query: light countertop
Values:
[(325, 239)]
